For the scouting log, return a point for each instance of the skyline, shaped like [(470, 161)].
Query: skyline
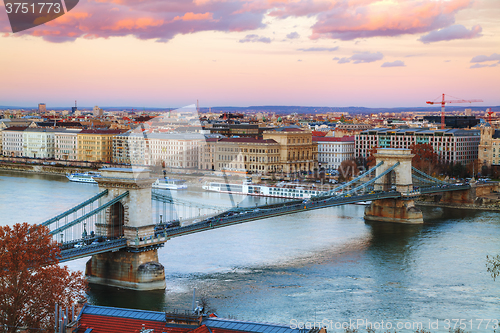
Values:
[(364, 53)]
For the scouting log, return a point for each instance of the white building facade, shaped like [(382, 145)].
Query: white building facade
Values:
[(39, 143), (451, 145), (332, 151), (12, 141), (66, 145), (170, 150)]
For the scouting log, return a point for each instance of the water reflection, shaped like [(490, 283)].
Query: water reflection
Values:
[(319, 264)]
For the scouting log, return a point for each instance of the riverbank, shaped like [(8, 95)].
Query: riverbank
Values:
[(459, 206), (42, 169)]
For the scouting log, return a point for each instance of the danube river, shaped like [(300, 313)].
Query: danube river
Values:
[(326, 265)]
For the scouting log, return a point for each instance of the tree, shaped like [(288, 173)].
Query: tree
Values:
[(425, 158), (371, 161), (473, 168), (31, 281), (347, 169)]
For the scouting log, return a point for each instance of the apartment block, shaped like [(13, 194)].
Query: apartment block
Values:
[(96, 145), (247, 154), (166, 149), (451, 145), (39, 142), (332, 151), (298, 152), (12, 141), (66, 144), (175, 150)]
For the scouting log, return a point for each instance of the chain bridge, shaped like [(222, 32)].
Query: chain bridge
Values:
[(122, 226)]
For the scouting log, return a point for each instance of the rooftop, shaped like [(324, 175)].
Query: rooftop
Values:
[(248, 140), (109, 319), (333, 139)]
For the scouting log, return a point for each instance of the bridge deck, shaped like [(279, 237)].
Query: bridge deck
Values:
[(243, 215)]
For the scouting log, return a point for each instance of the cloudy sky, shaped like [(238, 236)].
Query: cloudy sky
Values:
[(169, 53)]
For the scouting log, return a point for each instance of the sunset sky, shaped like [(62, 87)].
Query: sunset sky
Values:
[(169, 53)]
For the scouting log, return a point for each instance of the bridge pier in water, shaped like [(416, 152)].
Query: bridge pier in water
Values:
[(399, 210), (137, 266)]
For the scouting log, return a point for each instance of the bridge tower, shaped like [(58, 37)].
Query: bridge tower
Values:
[(401, 210), (137, 266)]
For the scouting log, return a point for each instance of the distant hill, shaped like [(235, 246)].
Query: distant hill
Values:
[(283, 109)]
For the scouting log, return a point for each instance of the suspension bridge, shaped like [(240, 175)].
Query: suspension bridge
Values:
[(123, 225)]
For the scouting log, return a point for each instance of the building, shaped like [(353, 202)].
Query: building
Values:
[(42, 108), (118, 320), (39, 142), (206, 154), (247, 154), (175, 150), (298, 153), (238, 130), (451, 145), (66, 144), (333, 151), (12, 141), (97, 111), (343, 129), (489, 148), (130, 148), (171, 150), (454, 121), (96, 145)]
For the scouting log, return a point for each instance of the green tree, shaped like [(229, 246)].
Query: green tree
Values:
[(31, 280)]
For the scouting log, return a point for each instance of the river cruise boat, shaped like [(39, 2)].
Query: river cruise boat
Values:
[(170, 184), (85, 177), (280, 190)]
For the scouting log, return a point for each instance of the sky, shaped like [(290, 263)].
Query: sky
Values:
[(171, 53)]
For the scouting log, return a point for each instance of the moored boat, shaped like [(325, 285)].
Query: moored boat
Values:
[(84, 177), (281, 190), (170, 184)]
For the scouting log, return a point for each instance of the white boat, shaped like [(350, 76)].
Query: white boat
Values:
[(281, 190), (86, 177), (170, 184)]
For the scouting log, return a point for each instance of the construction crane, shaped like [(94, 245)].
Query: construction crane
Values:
[(489, 112), (443, 102)]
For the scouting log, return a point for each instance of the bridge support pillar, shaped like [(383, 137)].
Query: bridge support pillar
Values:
[(135, 267), (400, 210), (394, 210), (129, 270)]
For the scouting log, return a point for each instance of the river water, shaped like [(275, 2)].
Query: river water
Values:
[(324, 266)]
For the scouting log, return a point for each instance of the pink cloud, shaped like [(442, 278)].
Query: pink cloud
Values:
[(484, 58), (162, 20), (456, 31), (351, 19), (396, 63), (194, 17), (152, 19)]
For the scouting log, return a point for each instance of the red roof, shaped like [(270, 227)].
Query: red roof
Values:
[(333, 139), (94, 131), (318, 133), (247, 140), (16, 128), (110, 324)]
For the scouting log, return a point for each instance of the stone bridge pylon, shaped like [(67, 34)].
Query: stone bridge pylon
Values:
[(137, 266), (403, 209)]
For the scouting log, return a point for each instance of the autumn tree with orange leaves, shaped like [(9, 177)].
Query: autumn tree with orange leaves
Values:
[(31, 280), (425, 158)]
